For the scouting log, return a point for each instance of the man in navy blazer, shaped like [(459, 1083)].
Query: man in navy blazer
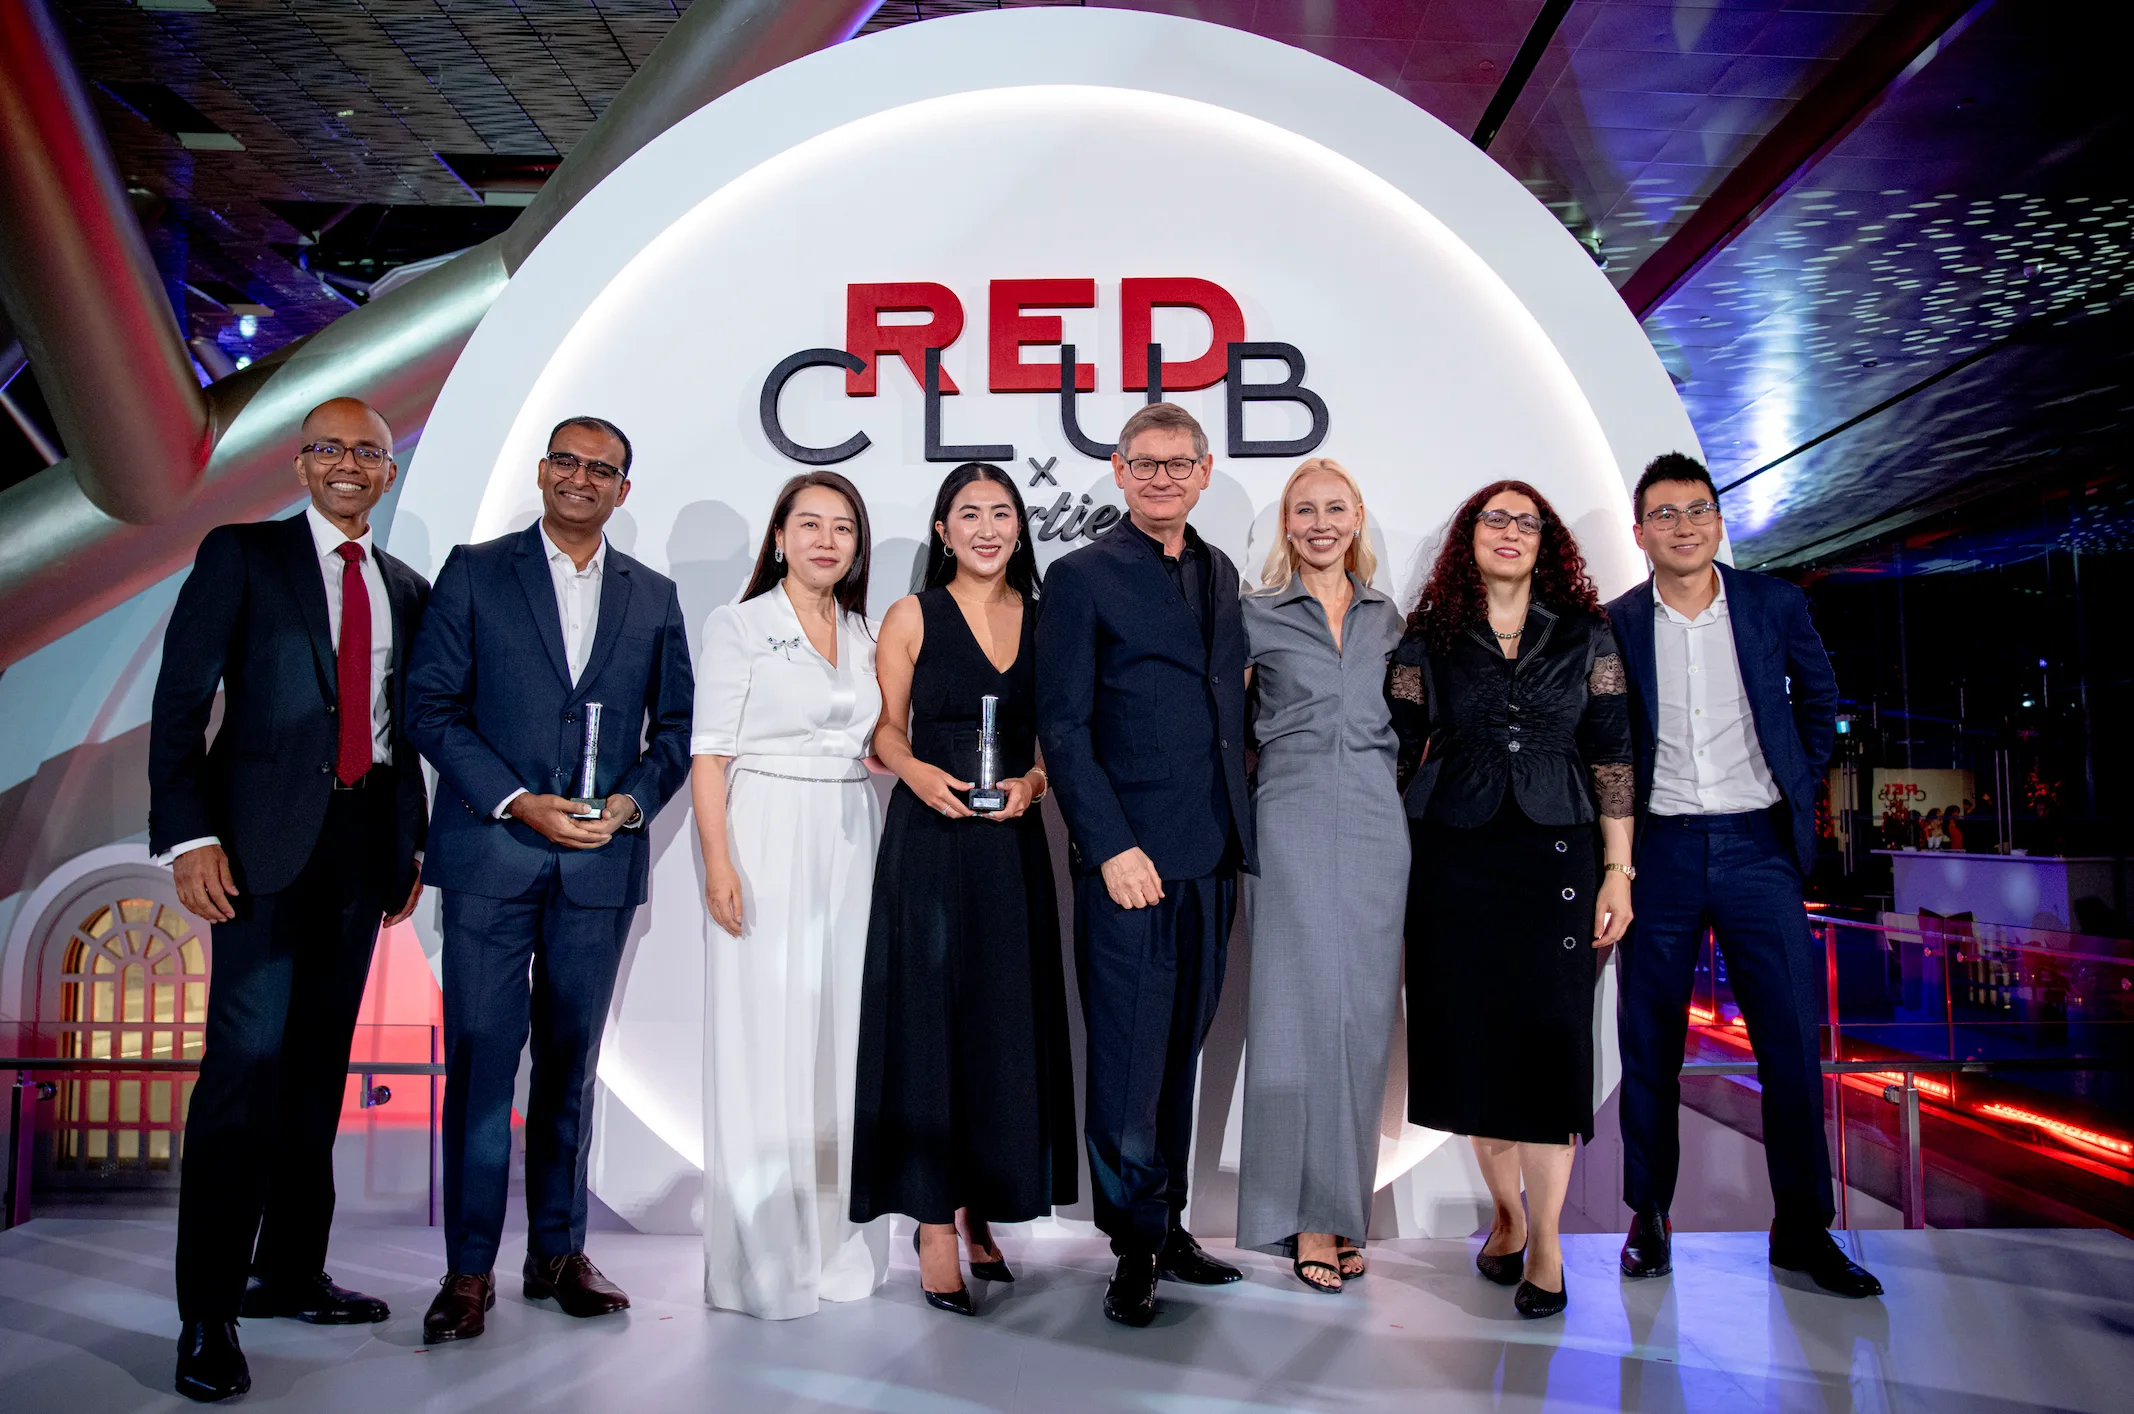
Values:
[(294, 834), (1733, 717), (1141, 712), (525, 634)]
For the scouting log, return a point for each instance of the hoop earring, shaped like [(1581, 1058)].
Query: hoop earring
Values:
[(948, 552), (777, 555)]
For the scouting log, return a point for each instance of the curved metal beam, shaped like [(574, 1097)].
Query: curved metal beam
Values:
[(64, 559), (78, 282)]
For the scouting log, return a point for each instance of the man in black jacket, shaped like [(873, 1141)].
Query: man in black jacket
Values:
[(294, 834), (1141, 711)]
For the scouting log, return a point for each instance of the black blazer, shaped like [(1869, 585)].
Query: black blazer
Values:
[(490, 703), (1792, 692), (1544, 725), (252, 617), (1143, 724)]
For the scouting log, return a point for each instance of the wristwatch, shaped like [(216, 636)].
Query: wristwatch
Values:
[(1628, 871)]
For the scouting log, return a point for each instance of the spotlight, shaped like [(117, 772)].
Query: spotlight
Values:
[(245, 361), (247, 325)]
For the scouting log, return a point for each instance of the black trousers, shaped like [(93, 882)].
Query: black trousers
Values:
[(1150, 980), (1736, 875), (534, 966), (255, 1188)]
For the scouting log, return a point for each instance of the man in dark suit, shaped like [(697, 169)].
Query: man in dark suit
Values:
[(1733, 716), (1141, 711), (525, 635), (294, 833)]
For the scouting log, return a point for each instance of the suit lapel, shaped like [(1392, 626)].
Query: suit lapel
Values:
[(540, 589), (1175, 616), (1747, 633), (307, 582), (614, 605), (1635, 643), (398, 596)]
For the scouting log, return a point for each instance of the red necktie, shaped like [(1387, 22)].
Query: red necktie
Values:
[(353, 667)]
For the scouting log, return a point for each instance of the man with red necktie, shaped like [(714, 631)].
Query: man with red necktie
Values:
[(294, 833)]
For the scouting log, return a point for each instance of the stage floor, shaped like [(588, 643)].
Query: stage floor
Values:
[(1980, 1321)]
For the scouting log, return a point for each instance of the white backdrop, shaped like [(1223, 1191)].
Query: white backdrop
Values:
[(1456, 332)]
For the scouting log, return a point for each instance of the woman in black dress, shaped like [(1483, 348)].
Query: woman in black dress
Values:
[(964, 1108), (1513, 716)]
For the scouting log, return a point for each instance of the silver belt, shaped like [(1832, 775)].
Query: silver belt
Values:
[(811, 780)]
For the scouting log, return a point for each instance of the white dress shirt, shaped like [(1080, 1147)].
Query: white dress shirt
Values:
[(1706, 758), (327, 539), (578, 607), (766, 698)]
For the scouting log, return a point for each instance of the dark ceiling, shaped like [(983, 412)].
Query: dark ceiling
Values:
[(1937, 310)]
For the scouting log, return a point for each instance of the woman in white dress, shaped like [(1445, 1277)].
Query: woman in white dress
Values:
[(786, 702)]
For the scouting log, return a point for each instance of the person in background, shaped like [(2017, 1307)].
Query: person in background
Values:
[(788, 824), (525, 633), (1141, 713), (1734, 709), (293, 834), (1326, 909), (1507, 693), (1952, 825), (965, 1090), (1931, 835)]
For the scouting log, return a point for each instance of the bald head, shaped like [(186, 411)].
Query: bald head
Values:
[(346, 462), (340, 419)]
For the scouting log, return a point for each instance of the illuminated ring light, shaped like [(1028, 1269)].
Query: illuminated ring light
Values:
[(1456, 331)]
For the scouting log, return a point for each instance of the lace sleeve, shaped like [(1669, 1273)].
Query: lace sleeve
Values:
[(1606, 678), (1615, 789), (1408, 700)]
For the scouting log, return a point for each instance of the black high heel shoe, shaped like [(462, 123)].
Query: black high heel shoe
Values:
[(1503, 1268), (958, 1301), (1533, 1303), (995, 1270)]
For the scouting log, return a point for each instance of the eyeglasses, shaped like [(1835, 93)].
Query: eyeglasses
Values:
[(1696, 513), (1179, 468), (1528, 524), (330, 452), (569, 464)]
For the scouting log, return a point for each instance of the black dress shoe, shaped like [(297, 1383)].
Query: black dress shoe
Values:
[(1649, 1247), (1503, 1268), (1533, 1303), (315, 1299), (210, 1365), (573, 1283), (1817, 1253), (459, 1312), (1131, 1298), (958, 1301), (1183, 1260)]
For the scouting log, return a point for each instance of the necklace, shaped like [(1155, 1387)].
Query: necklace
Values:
[(1513, 634)]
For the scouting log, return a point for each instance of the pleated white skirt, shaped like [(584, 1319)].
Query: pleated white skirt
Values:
[(782, 1032)]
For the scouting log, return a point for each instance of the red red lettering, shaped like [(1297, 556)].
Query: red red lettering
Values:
[(1009, 331), (867, 337), (1140, 297)]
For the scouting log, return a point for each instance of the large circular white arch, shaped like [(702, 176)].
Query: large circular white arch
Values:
[(1456, 330)]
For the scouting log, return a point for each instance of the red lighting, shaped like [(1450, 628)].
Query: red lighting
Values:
[(2110, 1146)]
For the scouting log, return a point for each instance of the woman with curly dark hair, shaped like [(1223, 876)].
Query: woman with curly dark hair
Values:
[(1512, 711)]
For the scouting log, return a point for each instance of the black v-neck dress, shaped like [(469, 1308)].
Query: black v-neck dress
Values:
[(964, 1096)]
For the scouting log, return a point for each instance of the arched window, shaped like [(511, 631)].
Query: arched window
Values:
[(125, 976)]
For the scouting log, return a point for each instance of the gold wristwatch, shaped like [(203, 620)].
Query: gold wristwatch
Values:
[(1628, 871)]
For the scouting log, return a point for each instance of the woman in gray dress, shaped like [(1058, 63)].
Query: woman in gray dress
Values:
[(1326, 909)]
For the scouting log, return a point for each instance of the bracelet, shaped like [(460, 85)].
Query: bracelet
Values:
[(1046, 788)]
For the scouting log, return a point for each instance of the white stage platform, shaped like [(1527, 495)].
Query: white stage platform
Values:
[(1982, 1322)]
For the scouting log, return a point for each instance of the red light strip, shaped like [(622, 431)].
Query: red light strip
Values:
[(2061, 1129)]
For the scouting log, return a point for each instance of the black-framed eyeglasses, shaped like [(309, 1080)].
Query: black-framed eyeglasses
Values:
[(570, 464), (332, 452), (1527, 522), (1178, 468), (1696, 513)]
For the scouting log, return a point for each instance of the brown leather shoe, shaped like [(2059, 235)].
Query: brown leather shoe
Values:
[(573, 1283), (458, 1313)]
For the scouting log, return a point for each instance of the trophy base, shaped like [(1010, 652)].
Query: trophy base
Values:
[(589, 808), (988, 798)]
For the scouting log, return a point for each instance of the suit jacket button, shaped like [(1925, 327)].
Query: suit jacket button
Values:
[(570, 716), (326, 768), (329, 709)]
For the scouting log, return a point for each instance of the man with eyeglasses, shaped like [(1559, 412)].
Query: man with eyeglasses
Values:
[(1733, 716), (526, 634), (1141, 713), (294, 833)]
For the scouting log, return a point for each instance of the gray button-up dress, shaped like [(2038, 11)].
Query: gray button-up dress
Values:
[(1325, 913)]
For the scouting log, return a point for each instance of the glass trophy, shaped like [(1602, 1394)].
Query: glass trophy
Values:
[(987, 795), (591, 805)]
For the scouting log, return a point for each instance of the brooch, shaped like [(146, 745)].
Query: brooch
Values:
[(783, 647)]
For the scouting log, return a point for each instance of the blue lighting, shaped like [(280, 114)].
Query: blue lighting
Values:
[(248, 325)]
